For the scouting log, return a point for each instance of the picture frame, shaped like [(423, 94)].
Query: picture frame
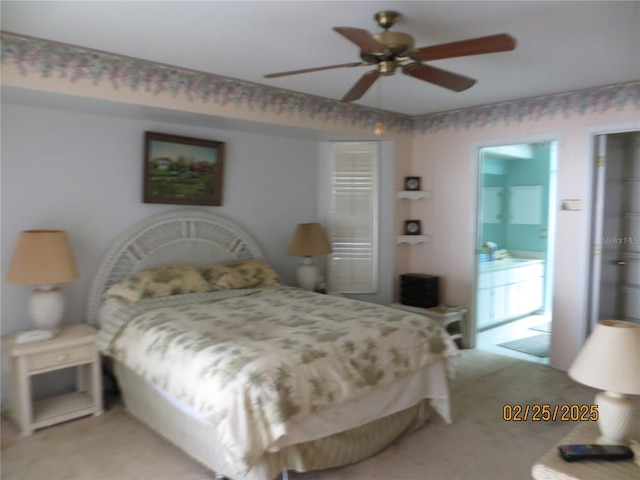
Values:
[(412, 227), (412, 183), (182, 170)]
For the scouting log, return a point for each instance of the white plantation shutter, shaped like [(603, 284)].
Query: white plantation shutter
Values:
[(353, 218)]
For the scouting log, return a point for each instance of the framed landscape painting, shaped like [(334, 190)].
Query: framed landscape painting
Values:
[(182, 170)]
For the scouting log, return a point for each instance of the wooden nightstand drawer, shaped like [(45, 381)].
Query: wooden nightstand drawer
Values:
[(59, 358)]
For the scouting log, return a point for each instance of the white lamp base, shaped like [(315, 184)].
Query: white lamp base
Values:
[(46, 306), (308, 274), (615, 414)]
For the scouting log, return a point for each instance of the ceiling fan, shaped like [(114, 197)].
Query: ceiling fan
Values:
[(391, 50)]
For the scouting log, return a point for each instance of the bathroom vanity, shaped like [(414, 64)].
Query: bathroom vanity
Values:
[(508, 289)]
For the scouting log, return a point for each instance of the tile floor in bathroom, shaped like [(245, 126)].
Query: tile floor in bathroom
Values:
[(488, 340)]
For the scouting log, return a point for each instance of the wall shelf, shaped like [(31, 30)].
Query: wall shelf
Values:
[(414, 194), (413, 239)]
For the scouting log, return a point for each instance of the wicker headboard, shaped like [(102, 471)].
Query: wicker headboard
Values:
[(185, 236)]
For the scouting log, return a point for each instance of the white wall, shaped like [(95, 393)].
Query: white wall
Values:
[(82, 173)]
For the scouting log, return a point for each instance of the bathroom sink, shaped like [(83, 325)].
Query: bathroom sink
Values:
[(505, 263)]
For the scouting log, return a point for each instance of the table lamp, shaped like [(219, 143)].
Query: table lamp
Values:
[(309, 239), (43, 258), (610, 360)]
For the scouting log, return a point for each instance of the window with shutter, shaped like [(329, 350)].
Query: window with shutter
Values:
[(353, 218)]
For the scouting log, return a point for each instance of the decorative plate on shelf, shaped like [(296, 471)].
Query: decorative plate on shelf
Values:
[(412, 183), (412, 227)]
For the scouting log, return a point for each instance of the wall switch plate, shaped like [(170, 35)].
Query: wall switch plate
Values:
[(571, 204)]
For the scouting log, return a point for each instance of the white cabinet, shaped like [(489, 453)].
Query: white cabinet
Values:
[(501, 301), (492, 205), (509, 290), (484, 310)]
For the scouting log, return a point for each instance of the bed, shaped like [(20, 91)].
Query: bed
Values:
[(251, 377)]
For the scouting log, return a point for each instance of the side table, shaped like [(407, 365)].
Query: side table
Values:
[(552, 467), (74, 346), (451, 318)]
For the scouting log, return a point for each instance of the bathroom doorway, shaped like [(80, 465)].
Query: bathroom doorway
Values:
[(514, 251)]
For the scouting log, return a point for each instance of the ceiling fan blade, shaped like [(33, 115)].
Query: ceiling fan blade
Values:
[(314, 69), (443, 78), (361, 86), (475, 46), (362, 39)]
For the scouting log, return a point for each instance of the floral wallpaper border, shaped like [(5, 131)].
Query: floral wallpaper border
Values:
[(48, 58), (579, 102)]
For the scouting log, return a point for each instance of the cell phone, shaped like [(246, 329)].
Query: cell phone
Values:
[(592, 451)]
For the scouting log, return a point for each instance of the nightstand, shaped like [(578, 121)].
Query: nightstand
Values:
[(450, 318), (73, 347), (552, 467)]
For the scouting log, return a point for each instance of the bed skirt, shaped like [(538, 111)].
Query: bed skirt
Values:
[(198, 439)]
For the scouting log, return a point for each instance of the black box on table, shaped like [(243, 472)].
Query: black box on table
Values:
[(419, 290)]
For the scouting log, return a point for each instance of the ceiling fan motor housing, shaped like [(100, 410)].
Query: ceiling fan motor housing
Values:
[(397, 43), (398, 46)]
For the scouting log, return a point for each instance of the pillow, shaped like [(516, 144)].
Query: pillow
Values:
[(159, 282), (240, 274)]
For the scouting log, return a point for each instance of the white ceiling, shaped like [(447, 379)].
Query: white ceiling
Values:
[(561, 45)]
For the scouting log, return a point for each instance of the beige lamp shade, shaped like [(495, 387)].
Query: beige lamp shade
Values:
[(309, 239), (610, 358), (610, 361), (42, 257)]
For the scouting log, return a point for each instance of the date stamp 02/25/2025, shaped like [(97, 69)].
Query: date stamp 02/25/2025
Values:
[(549, 413)]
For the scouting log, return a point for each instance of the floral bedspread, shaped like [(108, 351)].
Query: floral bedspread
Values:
[(252, 360)]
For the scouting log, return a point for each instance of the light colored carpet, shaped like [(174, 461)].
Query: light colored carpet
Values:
[(478, 444)]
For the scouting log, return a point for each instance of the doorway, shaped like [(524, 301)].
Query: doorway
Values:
[(514, 252), (615, 271)]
